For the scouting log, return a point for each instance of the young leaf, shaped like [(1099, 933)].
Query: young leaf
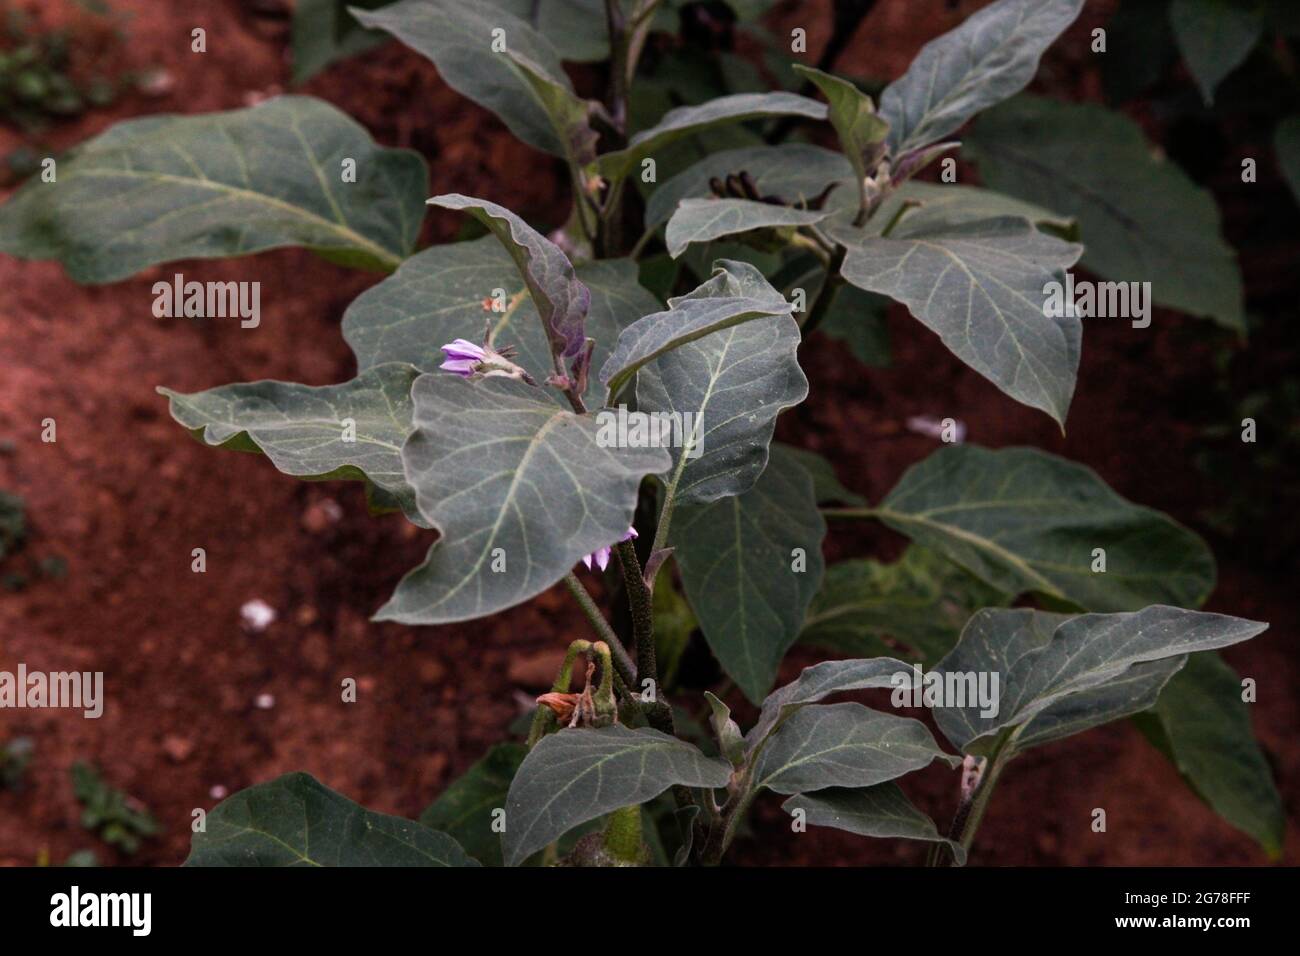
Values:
[(459, 37), (844, 745), (730, 740), (992, 56), (577, 775), (466, 809), (295, 821), (750, 564), (520, 490), (736, 293), (447, 292), (1023, 520), (942, 207), (304, 431), (164, 188), (879, 811), (820, 681), (689, 120), (703, 220), (1201, 723), (921, 601), (569, 115), (1215, 37), (980, 287), (861, 131), (795, 172), (561, 299), (1141, 217), (1043, 660)]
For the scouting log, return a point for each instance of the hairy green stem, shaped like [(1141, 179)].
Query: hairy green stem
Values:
[(640, 603)]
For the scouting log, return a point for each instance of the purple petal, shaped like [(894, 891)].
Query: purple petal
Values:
[(586, 559), (463, 367), (631, 533), (602, 558), (463, 350)]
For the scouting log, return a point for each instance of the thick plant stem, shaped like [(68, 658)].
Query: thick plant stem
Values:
[(622, 836), (639, 602), (622, 660), (826, 294)]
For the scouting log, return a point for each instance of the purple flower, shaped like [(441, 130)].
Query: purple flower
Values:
[(601, 556), (462, 357)]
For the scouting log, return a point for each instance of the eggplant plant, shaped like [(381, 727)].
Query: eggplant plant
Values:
[(556, 405)]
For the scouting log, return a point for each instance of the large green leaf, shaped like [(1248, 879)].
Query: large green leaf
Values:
[(439, 295), (1045, 662), (1203, 726), (980, 286), (576, 28), (561, 300), (826, 485), (992, 56), (1141, 218), (843, 745), (860, 320), (1023, 520), (465, 811), (164, 188), (703, 220), (819, 682), (458, 37), (574, 776), (519, 488), (689, 120), (736, 293), (295, 821), (304, 431), (879, 811), (737, 557), (794, 172), (920, 601), (1215, 37)]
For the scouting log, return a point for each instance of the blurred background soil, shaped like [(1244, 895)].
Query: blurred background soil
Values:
[(124, 496)]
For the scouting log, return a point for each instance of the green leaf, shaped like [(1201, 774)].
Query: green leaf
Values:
[(1023, 520), (732, 382), (819, 682), (992, 56), (879, 811), (796, 172), (1044, 661), (1141, 218), (861, 131), (576, 28), (438, 296), (577, 775), (689, 120), (736, 557), (458, 38), (731, 742), (569, 114), (1286, 143), (860, 320), (826, 486), (1201, 723), (1215, 37), (560, 298), (520, 490), (465, 810), (323, 32), (980, 287), (844, 745), (703, 220), (303, 429), (295, 821), (736, 293), (164, 188), (920, 601), (944, 206)]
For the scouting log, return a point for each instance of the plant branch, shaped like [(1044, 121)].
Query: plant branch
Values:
[(640, 603), (821, 307)]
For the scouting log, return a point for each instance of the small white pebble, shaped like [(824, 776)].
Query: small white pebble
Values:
[(265, 701), (256, 615)]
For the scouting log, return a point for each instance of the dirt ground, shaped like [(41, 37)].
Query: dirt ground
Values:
[(124, 496)]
